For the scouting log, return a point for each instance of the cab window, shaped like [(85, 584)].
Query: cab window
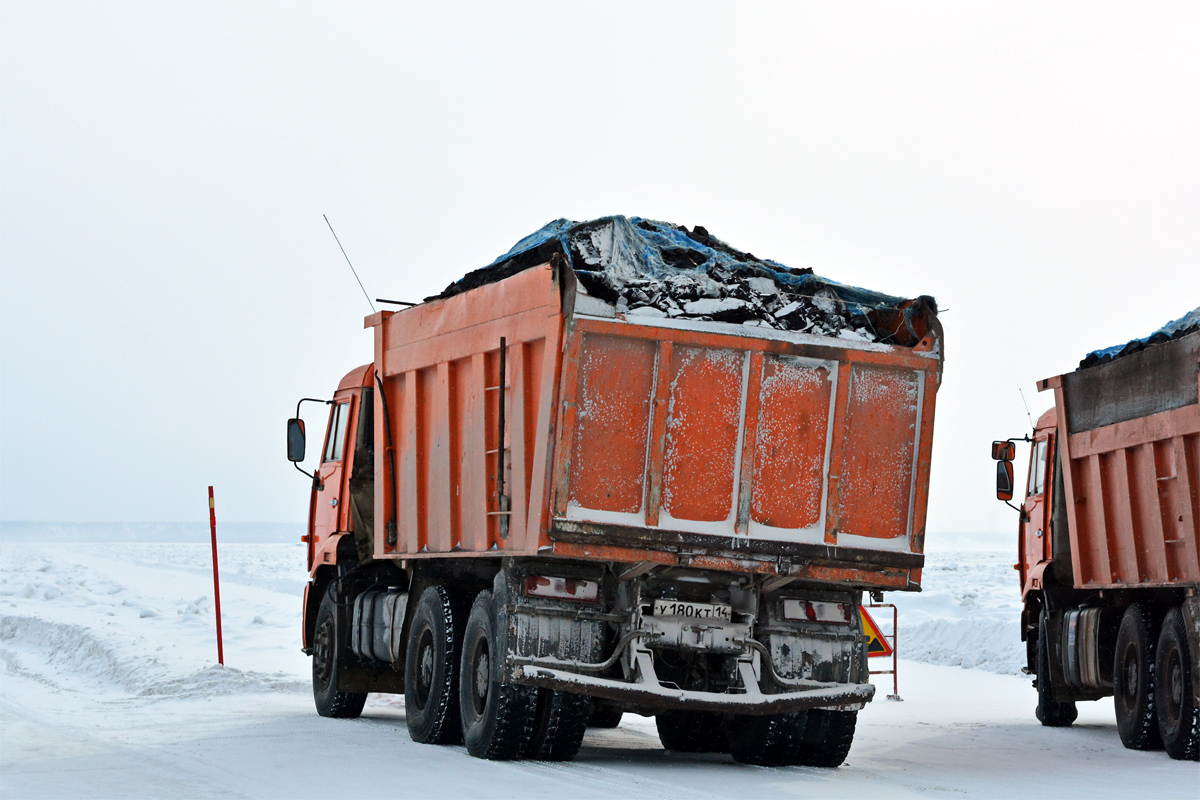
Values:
[(1037, 468), (337, 432)]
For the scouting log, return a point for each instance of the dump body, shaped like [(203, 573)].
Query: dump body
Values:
[(1130, 432), (637, 439)]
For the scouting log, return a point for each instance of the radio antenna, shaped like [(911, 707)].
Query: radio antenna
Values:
[(352, 269), (1031, 425)]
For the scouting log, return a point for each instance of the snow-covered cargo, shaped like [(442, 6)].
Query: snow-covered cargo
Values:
[(647, 472)]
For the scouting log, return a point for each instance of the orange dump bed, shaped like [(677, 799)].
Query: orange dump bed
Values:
[(641, 439), (1130, 431)]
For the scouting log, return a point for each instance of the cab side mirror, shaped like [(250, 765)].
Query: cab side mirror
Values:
[(1004, 480), (1004, 451), (295, 440)]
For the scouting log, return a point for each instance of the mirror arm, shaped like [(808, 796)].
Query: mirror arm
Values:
[(310, 400), (311, 475), (1019, 510)]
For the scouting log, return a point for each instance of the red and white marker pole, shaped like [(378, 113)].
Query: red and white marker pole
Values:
[(212, 521)]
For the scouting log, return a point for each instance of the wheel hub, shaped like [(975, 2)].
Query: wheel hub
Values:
[(1175, 685), (426, 666), (323, 652), (483, 676), (1131, 674)]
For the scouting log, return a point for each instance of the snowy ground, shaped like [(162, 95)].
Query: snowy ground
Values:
[(108, 689)]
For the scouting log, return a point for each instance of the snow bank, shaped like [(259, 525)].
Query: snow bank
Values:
[(70, 657), (136, 620), (968, 613)]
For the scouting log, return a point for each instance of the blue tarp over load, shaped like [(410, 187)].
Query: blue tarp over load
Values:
[(642, 267), (1174, 329)]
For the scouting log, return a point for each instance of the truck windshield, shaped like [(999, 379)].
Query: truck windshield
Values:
[(1037, 468), (337, 432)]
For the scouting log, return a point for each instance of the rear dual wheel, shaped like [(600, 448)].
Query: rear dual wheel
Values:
[(1177, 715), (817, 738), (560, 721), (828, 736), (1133, 680), (502, 720), (691, 731), (431, 668), (766, 741), (604, 715)]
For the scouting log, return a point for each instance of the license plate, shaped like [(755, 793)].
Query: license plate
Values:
[(680, 608)]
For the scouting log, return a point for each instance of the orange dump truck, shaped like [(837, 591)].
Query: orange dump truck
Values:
[(625, 468), (1109, 540)]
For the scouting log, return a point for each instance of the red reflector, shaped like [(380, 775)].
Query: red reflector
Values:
[(562, 588), (816, 611)]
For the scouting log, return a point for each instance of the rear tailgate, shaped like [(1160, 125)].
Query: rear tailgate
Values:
[(714, 439)]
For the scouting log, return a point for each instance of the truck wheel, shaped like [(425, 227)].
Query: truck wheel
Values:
[(1175, 705), (827, 738), (1049, 712), (1133, 680), (767, 741), (328, 647), (691, 732), (497, 717), (560, 721), (430, 669), (604, 716)]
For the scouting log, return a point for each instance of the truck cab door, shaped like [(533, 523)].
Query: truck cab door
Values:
[(1033, 528), (327, 503)]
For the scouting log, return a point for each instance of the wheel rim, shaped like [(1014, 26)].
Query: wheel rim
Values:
[(1129, 670), (1174, 694), (481, 671), (323, 652), (425, 659)]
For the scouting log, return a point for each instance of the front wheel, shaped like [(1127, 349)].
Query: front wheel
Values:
[(328, 652), (1050, 712)]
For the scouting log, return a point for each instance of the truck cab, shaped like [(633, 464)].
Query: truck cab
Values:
[(1034, 546)]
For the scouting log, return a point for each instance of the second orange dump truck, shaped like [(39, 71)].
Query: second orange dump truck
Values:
[(1109, 540), (625, 468)]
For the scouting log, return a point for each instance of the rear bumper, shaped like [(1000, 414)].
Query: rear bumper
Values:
[(828, 564), (652, 695)]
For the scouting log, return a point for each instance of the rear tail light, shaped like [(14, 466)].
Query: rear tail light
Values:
[(562, 588), (814, 611)]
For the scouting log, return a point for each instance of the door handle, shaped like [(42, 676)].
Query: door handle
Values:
[(333, 502), (1039, 533)]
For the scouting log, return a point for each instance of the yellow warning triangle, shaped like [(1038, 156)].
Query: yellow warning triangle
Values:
[(877, 645)]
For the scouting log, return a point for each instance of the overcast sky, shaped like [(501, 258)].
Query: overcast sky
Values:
[(169, 289)]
